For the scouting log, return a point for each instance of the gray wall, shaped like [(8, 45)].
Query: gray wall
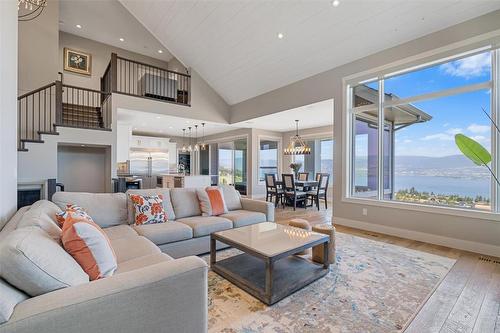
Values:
[(38, 45), (457, 230), (8, 107), (81, 169)]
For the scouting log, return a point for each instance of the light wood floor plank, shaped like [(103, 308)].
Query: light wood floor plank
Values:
[(436, 310), (487, 318)]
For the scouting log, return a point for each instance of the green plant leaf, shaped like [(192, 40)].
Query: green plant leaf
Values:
[(473, 150)]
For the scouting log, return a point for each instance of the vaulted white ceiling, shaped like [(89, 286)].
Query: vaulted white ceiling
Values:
[(234, 44)]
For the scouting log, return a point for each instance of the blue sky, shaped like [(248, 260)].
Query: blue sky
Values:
[(450, 115)]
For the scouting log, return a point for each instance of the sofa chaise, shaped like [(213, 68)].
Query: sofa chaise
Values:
[(159, 285)]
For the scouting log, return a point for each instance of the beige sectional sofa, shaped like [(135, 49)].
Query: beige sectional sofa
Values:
[(159, 285)]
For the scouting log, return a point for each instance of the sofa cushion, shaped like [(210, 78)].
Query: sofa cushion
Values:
[(12, 224), (164, 233), (138, 263), (242, 218), (10, 298), (119, 231), (232, 197), (167, 204), (148, 209), (205, 225), (89, 246), (42, 214), (133, 247), (35, 263), (185, 202), (106, 209)]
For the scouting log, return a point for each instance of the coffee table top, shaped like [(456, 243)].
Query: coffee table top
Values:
[(268, 238)]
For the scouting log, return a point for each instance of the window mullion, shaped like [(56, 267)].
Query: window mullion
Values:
[(495, 136), (381, 139)]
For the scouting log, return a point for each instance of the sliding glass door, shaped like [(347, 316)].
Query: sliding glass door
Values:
[(232, 164)]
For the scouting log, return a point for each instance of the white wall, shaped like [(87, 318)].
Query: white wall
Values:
[(40, 161), (80, 169), (101, 55), (457, 229), (38, 45), (8, 109)]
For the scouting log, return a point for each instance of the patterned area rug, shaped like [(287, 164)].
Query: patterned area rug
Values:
[(374, 287)]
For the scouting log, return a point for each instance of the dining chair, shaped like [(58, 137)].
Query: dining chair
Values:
[(291, 193), (303, 176), (321, 191), (272, 189)]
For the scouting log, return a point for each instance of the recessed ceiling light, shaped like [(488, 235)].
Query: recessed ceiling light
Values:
[(335, 3), (82, 145), (280, 35), (158, 117), (122, 40), (160, 51), (78, 26), (170, 127)]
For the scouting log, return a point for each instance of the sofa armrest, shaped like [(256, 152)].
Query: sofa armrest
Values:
[(259, 206), (169, 296)]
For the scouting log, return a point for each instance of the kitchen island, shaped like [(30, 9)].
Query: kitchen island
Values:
[(183, 181)]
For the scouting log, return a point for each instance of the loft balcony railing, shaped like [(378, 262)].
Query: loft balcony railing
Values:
[(134, 78), (58, 104)]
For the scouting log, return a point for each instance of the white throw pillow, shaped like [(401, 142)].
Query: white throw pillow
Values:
[(211, 201), (42, 214), (35, 263)]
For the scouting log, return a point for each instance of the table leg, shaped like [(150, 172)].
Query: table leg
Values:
[(269, 278), (213, 251), (326, 260)]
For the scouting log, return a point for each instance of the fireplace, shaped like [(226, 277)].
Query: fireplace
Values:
[(30, 192)]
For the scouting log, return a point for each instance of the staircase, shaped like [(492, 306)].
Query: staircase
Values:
[(81, 116), (41, 111)]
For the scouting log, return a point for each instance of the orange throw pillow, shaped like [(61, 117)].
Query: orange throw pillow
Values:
[(87, 243), (212, 201)]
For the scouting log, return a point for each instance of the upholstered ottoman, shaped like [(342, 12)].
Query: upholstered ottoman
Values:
[(327, 229), (302, 224)]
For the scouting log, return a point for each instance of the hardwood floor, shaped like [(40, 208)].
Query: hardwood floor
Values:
[(466, 300)]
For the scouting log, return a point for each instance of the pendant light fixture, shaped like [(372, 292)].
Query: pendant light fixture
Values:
[(190, 147), (183, 140), (196, 145), (297, 146), (203, 146)]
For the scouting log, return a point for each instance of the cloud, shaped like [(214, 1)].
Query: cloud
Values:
[(439, 136), (480, 138), (446, 124), (475, 128), (454, 131), (474, 66)]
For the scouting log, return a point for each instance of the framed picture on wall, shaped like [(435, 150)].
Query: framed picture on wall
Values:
[(77, 61)]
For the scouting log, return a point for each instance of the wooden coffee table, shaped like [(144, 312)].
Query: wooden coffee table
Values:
[(267, 268)]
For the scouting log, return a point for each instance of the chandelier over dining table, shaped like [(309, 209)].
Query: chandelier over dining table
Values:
[(297, 145), (30, 9)]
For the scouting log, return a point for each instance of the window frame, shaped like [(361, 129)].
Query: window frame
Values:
[(414, 64)]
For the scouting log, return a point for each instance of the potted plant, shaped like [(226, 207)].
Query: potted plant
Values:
[(296, 168)]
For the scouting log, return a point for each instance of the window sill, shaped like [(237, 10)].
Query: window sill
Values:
[(453, 211)]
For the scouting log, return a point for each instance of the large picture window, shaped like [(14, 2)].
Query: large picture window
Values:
[(403, 127), (268, 158)]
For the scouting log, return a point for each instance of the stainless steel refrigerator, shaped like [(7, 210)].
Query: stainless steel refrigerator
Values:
[(148, 164)]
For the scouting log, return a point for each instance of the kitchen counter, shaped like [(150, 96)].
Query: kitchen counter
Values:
[(184, 181)]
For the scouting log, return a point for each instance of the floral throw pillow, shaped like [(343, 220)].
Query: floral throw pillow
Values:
[(74, 212), (148, 209)]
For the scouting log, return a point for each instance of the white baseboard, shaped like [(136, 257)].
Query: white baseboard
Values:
[(460, 244)]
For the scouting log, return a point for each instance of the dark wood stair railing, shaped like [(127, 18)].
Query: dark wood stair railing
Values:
[(57, 104)]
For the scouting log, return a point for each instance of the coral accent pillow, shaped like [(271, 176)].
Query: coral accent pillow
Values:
[(87, 243), (212, 201), (73, 211), (148, 209)]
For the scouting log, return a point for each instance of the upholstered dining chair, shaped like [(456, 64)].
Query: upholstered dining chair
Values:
[(319, 193), (272, 189), (291, 194), (303, 176)]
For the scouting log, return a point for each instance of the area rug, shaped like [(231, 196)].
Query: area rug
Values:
[(373, 287)]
